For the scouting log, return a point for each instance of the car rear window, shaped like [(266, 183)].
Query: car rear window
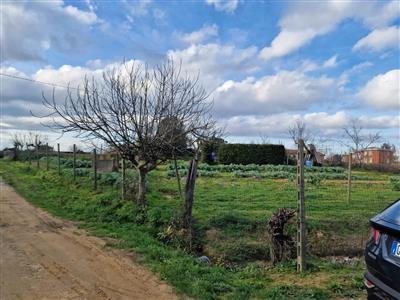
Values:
[(392, 213)]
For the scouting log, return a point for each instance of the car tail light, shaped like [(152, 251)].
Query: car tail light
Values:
[(369, 284), (376, 235)]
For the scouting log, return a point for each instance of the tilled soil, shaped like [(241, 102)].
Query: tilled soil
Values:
[(42, 257)]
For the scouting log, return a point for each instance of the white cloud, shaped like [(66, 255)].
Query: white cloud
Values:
[(286, 42), (383, 91), (206, 32), (21, 97), (215, 61), (228, 6), (305, 21), (344, 78), (380, 39), (284, 91), (248, 108), (30, 28), (331, 62), (322, 123), (380, 122), (310, 65), (138, 8)]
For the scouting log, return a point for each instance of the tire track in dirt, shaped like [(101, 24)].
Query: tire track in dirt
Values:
[(42, 257)]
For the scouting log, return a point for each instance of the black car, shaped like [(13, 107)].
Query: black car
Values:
[(382, 255)]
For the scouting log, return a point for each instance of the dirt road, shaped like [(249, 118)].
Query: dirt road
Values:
[(42, 257)]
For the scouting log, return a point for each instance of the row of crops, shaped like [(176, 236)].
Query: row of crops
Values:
[(310, 176), (313, 175), (68, 162), (260, 168)]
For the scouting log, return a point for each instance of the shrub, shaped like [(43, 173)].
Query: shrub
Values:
[(251, 154), (208, 148), (108, 178), (314, 179), (395, 183)]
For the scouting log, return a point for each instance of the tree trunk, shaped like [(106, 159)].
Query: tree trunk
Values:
[(142, 188), (189, 195)]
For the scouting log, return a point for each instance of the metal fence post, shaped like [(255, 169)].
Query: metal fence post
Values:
[(349, 178), (301, 224), (95, 169), (59, 158), (47, 156), (74, 161)]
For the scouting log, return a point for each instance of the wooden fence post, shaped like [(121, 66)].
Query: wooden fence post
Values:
[(301, 224), (59, 158), (37, 156), (29, 154), (349, 178), (47, 156), (123, 190), (74, 161), (95, 169)]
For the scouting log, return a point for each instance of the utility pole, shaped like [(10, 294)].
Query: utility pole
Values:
[(301, 216)]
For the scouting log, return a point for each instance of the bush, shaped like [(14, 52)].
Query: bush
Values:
[(259, 154), (314, 179), (208, 148), (395, 183)]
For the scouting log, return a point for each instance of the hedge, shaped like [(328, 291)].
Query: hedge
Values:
[(260, 154)]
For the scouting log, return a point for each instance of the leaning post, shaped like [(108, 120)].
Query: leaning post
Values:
[(301, 223)]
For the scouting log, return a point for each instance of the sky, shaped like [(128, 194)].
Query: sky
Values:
[(265, 64)]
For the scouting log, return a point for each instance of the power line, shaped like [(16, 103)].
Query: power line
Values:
[(37, 81)]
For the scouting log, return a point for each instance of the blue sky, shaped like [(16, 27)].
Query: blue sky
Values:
[(265, 63)]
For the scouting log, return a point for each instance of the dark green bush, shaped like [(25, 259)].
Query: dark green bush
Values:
[(245, 154), (208, 148)]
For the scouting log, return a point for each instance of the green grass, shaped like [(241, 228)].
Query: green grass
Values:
[(230, 219)]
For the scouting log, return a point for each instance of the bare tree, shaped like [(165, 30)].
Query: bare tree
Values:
[(264, 139), (299, 130), (18, 141), (35, 140), (128, 110), (357, 140)]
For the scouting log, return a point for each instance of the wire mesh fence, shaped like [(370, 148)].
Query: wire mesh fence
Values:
[(243, 198)]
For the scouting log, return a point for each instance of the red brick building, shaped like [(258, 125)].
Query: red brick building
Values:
[(372, 155)]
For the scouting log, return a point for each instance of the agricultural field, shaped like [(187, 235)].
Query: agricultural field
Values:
[(232, 206)]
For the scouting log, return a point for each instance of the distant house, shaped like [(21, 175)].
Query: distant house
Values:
[(371, 156)]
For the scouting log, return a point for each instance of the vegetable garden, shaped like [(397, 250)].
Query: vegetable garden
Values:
[(233, 204)]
